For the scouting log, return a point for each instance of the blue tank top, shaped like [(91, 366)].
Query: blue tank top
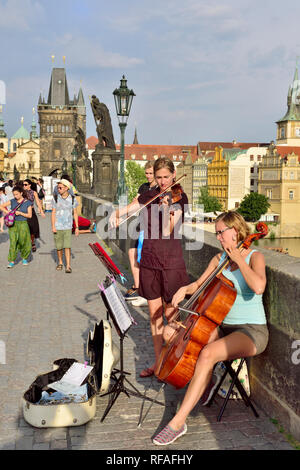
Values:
[(248, 306)]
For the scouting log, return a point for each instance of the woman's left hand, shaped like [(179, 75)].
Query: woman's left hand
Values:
[(43, 214)]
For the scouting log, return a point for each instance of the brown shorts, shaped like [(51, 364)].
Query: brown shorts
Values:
[(258, 333), (156, 283)]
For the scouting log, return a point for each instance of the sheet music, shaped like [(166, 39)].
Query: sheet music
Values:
[(73, 378), (119, 307)]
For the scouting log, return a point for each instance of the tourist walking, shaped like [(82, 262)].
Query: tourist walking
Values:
[(32, 196), (3, 200), (63, 210), (19, 234)]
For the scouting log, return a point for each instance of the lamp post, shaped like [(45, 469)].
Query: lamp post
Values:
[(123, 101), (74, 162)]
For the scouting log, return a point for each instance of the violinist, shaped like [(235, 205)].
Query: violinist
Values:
[(162, 269), (243, 333), (132, 293)]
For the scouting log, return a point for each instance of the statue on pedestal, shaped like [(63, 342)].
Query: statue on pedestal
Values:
[(105, 157), (103, 123)]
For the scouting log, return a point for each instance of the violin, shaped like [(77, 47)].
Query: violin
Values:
[(206, 310), (174, 195)]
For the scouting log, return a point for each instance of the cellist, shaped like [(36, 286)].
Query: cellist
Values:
[(243, 333)]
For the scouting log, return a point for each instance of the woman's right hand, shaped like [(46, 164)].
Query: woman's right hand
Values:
[(179, 296)]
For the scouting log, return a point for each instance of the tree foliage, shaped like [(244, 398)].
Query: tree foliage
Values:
[(210, 203), (253, 206), (134, 177)]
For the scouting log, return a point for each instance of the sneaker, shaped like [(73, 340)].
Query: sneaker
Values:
[(10, 265), (131, 294), (139, 302), (215, 380), (25, 262), (168, 435)]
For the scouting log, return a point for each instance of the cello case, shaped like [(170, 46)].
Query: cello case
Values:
[(103, 355)]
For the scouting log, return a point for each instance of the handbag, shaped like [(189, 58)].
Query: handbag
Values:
[(9, 219)]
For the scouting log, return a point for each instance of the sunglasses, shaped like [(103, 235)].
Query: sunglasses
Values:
[(25, 184)]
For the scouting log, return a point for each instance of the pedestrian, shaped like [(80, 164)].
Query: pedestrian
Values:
[(41, 191), (19, 234), (63, 210), (243, 333), (32, 196), (3, 200)]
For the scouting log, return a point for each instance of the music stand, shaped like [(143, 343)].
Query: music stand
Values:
[(120, 315)]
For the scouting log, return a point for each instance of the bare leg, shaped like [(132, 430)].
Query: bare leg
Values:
[(60, 256), (230, 347), (134, 266), (68, 257), (156, 324)]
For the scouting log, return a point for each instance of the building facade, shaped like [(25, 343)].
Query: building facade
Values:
[(288, 127), (279, 181), (59, 117)]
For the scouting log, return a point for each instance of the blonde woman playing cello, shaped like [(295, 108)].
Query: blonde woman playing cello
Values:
[(244, 332)]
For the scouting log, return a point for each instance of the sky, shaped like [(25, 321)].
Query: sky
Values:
[(202, 70)]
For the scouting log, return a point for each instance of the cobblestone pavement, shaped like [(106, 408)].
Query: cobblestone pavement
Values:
[(46, 315)]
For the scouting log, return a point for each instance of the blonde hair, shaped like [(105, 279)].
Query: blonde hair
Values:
[(233, 219), (163, 162), (149, 164)]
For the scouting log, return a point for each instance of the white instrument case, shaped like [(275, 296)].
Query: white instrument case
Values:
[(103, 355)]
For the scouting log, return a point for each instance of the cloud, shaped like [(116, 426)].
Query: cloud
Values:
[(21, 16), (80, 51)]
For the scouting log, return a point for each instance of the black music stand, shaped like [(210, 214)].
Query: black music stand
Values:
[(119, 375)]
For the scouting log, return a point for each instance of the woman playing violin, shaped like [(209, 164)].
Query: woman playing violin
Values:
[(243, 333), (162, 267)]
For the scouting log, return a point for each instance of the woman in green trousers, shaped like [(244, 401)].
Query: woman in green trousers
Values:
[(19, 234)]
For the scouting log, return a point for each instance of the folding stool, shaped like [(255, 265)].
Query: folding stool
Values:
[(235, 382)]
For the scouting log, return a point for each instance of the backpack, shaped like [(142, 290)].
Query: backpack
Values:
[(41, 194)]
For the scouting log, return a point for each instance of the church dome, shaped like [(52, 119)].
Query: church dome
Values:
[(21, 133)]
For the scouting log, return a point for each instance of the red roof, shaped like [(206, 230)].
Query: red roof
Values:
[(285, 150), (205, 146), (140, 152), (92, 142)]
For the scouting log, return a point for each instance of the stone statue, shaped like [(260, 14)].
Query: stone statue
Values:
[(103, 123), (83, 163)]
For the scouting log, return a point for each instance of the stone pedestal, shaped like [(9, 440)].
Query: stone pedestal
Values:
[(105, 172)]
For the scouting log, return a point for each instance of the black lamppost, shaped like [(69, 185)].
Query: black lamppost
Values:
[(74, 162), (123, 101)]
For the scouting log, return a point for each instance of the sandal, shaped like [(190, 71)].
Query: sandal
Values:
[(68, 270), (148, 372), (59, 267)]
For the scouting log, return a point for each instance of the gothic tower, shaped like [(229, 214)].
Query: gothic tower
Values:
[(288, 127), (59, 118)]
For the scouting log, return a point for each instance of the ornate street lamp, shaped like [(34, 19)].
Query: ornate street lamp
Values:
[(74, 162), (123, 101)]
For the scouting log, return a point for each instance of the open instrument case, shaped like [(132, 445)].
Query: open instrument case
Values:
[(103, 356)]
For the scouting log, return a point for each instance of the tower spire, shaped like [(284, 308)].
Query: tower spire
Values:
[(135, 140)]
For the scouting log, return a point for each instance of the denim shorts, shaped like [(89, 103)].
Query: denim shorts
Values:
[(259, 334)]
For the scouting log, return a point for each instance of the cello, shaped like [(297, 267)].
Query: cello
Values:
[(206, 309)]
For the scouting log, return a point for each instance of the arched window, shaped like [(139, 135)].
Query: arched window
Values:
[(14, 147)]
